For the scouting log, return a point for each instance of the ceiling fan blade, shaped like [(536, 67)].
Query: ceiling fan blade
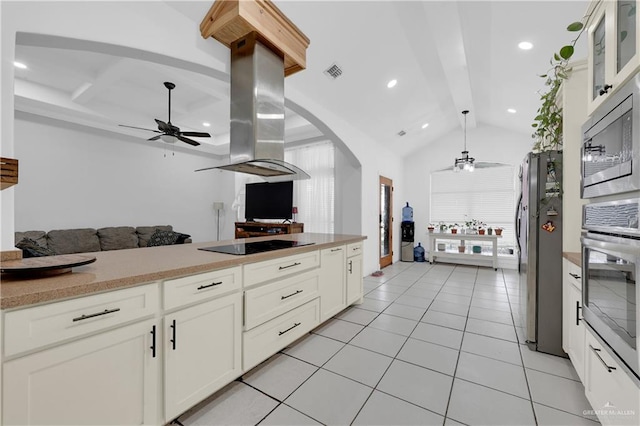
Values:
[(187, 140), (196, 134), (139, 128), (163, 126), (155, 138)]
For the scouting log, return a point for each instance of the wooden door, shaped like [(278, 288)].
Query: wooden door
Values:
[(386, 221)]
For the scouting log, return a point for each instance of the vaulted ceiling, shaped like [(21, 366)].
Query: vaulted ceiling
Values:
[(447, 56)]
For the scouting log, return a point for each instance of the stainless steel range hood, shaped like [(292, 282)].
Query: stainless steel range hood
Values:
[(257, 112)]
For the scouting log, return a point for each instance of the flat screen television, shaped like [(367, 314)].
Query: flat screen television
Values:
[(267, 200)]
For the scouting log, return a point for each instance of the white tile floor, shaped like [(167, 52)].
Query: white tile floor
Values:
[(430, 345)]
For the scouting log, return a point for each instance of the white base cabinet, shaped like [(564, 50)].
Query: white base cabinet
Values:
[(354, 273), (202, 351), (573, 328), (109, 378), (614, 397), (332, 282)]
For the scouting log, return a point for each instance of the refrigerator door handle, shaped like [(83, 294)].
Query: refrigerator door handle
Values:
[(517, 221)]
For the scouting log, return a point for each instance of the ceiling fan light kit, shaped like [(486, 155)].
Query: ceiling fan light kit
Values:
[(168, 132), (465, 162)]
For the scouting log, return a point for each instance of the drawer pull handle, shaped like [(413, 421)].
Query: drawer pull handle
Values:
[(351, 266), (105, 312), (595, 351), (292, 294), (209, 285), (576, 276), (153, 341), (173, 335), (289, 266), (280, 333), (578, 307), (337, 249)]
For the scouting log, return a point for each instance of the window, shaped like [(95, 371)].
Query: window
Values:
[(314, 197), (487, 195)]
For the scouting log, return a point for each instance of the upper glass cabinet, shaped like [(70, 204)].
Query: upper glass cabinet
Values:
[(613, 48)]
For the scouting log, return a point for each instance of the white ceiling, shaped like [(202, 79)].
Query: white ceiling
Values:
[(447, 56)]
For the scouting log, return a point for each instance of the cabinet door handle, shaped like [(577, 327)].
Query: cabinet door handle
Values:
[(337, 249), (97, 314), (595, 351), (292, 294), (209, 285), (578, 307), (576, 276), (153, 341), (605, 89), (289, 266), (351, 266), (173, 335), (280, 333)]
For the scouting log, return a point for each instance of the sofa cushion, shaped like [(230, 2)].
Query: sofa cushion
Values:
[(30, 248), (39, 237), (67, 241), (117, 237), (163, 238), (145, 232)]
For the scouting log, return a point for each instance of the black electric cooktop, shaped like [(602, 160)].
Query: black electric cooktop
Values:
[(255, 247)]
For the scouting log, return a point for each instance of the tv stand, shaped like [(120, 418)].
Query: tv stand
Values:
[(261, 229)]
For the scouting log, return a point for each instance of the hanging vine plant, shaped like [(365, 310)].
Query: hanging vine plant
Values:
[(548, 121)]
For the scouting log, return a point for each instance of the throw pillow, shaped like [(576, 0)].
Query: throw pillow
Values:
[(32, 249), (162, 238)]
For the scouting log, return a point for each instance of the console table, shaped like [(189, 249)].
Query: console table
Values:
[(472, 258), (261, 229)]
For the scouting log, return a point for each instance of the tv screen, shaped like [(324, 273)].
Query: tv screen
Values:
[(269, 200)]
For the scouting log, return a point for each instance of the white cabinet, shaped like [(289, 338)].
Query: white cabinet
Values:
[(333, 293), (354, 273), (109, 378), (202, 351), (572, 323), (611, 392), (613, 48)]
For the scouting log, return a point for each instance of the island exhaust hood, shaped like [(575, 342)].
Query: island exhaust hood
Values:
[(257, 112)]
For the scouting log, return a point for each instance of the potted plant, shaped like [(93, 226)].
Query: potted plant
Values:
[(442, 226), (489, 231), (481, 230), (454, 228), (431, 227), (461, 249), (499, 231)]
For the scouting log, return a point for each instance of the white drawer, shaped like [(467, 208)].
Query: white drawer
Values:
[(255, 273), (200, 287), (31, 328), (573, 274), (354, 249), (265, 340), (270, 300)]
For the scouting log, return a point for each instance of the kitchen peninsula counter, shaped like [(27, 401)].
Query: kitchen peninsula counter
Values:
[(126, 268)]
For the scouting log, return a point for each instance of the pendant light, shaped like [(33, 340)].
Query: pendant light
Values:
[(465, 162)]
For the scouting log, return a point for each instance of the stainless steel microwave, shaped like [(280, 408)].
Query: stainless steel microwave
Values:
[(611, 144)]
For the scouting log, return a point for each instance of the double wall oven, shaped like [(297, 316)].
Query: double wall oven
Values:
[(611, 233)]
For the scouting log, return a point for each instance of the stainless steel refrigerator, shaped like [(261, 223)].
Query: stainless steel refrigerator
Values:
[(539, 237)]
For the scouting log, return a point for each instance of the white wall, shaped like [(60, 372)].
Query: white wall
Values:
[(485, 143), (76, 177)]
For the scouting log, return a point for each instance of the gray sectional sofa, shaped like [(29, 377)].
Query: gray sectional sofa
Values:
[(85, 240)]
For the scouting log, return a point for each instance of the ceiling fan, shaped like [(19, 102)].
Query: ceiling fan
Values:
[(169, 132)]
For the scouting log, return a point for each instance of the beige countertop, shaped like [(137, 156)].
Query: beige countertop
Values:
[(125, 268), (573, 257)]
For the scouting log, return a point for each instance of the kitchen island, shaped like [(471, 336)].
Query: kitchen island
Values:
[(142, 335)]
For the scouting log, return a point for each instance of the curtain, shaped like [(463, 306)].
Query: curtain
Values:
[(314, 197)]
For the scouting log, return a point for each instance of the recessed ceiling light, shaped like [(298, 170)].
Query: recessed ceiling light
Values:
[(512, 111), (19, 65), (525, 45), (205, 124), (392, 83), (425, 125)]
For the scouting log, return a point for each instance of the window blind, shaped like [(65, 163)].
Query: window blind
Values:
[(487, 195)]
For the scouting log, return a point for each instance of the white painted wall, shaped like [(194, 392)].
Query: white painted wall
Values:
[(485, 143), (74, 177)]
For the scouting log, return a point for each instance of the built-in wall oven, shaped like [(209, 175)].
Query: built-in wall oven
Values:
[(610, 267), (611, 144)]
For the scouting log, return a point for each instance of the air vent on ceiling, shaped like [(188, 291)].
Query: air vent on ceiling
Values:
[(334, 71), (402, 133)]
